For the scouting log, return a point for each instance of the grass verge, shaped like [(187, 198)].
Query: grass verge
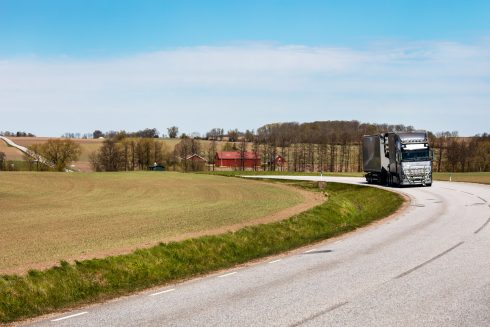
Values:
[(39, 292), (472, 177)]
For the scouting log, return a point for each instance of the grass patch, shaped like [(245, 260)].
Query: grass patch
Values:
[(16, 165), (348, 207), (474, 177)]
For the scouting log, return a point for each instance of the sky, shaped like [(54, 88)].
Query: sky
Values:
[(77, 66)]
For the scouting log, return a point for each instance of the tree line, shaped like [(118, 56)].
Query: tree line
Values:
[(16, 134), (330, 146), (336, 146), (129, 154), (461, 154), (173, 132)]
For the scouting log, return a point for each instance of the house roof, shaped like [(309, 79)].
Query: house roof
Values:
[(278, 158), (236, 155), (195, 156)]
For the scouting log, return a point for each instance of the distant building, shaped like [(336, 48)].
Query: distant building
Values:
[(233, 159), (196, 158), (279, 162)]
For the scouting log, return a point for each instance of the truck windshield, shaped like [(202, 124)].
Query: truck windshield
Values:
[(415, 155)]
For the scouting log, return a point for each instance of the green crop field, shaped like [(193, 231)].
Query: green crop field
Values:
[(48, 217)]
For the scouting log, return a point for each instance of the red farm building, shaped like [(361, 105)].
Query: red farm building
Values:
[(233, 159)]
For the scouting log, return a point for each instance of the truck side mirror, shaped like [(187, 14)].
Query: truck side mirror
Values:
[(431, 154)]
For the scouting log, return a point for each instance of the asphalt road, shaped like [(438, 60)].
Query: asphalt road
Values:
[(429, 266)]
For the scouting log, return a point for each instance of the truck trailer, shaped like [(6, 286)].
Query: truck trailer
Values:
[(398, 159)]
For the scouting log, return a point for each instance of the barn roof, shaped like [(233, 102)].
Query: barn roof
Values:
[(236, 155)]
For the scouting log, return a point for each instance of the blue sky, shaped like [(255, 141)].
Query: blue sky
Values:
[(204, 64)]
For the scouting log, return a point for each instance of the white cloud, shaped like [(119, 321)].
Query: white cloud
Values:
[(248, 85)]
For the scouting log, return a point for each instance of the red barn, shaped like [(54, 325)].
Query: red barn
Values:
[(233, 159)]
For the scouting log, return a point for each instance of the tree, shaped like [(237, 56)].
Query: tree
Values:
[(3, 158), (143, 153), (97, 134), (110, 157), (173, 132), (233, 135), (59, 153), (214, 134), (452, 154), (464, 153), (29, 160), (146, 133), (212, 152), (249, 136), (242, 148), (185, 148)]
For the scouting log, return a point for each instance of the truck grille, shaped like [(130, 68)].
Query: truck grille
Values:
[(418, 175)]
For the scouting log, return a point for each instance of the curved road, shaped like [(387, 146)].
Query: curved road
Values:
[(429, 266)]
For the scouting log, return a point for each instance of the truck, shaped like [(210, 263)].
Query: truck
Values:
[(397, 158)]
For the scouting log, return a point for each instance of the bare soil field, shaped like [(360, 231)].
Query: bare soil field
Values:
[(11, 152), (48, 217), (88, 146)]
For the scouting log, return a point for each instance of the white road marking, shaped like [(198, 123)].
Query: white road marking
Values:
[(275, 261), (166, 291), (310, 251), (70, 316), (226, 275)]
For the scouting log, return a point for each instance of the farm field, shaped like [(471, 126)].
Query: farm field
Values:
[(48, 217), (87, 146), (10, 152)]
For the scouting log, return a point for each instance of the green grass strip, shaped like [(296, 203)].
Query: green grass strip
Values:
[(39, 292)]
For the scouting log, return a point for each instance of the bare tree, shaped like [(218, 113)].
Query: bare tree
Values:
[(242, 148), (452, 154), (110, 157), (3, 158), (60, 153), (184, 149), (233, 135), (173, 132), (212, 152)]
